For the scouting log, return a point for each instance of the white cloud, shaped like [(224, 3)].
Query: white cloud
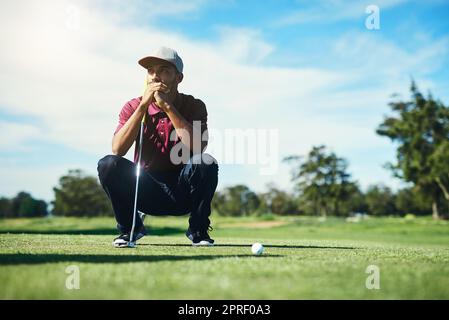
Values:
[(142, 10), (326, 11), (77, 80), (368, 53), (243, 45), (14, 135), (37, 181)]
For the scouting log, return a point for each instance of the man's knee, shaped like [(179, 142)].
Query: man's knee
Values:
[(106, 165)]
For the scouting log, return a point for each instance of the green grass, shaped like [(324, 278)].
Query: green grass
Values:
[(304, 258)]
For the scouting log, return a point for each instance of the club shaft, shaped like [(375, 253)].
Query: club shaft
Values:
[(139, 157)]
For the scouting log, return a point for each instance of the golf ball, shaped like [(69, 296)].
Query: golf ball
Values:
[(257, 248)]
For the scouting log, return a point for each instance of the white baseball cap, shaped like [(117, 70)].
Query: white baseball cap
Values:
[(163, 54)]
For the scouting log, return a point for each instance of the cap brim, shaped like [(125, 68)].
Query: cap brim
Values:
[(150, 61)]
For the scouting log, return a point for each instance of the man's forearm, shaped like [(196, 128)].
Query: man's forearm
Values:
[(125, 137), (190, 135)]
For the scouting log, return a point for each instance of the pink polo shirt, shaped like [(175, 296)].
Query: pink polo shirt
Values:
[(158, 128)]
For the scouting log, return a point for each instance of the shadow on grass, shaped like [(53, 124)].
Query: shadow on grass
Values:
[(154, 231), (282, 246), (23, 258)]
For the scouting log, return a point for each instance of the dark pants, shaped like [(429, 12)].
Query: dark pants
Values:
[(160, 193)]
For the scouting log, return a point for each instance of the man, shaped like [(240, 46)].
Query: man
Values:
[(175, 123)]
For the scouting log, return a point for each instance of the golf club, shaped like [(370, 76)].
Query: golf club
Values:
[(131, 243)]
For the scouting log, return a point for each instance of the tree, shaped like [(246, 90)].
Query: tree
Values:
[(80, 195), (278, 201), (6, 208), (322, 180), (380, 200), (420, 127), (237, 200), (440, 165), (22, 205), (410, 200), (33, 208), (356, 202)]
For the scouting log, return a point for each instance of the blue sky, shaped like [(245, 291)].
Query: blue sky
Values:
[(310, 70)]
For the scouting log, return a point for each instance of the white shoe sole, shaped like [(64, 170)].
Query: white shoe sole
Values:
[(124, 244), (203, 243)]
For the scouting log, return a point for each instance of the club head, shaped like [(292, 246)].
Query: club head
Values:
[(131, 244)]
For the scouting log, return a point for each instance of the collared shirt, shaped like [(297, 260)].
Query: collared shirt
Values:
[(158, 129)]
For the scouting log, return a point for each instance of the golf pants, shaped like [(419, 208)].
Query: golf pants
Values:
[(189, 190)]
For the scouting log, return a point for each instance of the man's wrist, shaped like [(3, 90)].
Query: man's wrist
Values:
[(142, 106), (169, 108)]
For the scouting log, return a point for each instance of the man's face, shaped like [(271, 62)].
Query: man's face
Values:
[(165, 73)]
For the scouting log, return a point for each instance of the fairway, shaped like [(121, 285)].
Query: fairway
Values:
[(304, 258)]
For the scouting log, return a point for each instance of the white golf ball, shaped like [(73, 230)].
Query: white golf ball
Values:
[(257, 248)]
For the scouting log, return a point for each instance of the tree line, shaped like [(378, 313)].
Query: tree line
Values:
[(22, 205), (419, 128), (77, 194), (323, 191)]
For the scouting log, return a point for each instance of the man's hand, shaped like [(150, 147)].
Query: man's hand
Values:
[(149, 94), (163, 99)]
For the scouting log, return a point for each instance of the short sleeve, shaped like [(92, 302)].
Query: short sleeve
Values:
[(195, 112), (125, 114), (199, 113)]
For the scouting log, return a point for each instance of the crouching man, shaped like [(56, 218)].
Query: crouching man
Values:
[(174, 123)]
